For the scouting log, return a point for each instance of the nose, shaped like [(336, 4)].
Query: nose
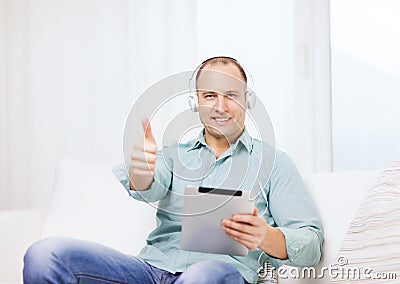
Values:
[(221, 103)]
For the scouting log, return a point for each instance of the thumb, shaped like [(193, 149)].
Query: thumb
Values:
[(147, 130), (255, 212)]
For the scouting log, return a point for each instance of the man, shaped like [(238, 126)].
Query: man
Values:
[(284, 227)]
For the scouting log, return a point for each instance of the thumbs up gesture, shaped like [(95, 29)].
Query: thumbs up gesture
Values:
[(143, 160)]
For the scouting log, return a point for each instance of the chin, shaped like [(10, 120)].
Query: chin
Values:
[(223, 133)]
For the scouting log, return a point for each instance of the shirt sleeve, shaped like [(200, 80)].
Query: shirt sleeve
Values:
[(295, 215), (157, 190)]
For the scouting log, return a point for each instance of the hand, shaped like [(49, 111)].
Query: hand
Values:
[(143, 160), (249, 230)]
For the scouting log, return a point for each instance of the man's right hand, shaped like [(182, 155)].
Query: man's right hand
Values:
[(143, 158)]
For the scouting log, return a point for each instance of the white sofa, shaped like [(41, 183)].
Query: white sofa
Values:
[(89, 203)]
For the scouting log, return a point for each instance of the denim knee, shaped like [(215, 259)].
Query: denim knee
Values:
[(210, 271), (43, 263)]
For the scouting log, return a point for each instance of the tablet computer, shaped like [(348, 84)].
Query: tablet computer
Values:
[(203, 210)]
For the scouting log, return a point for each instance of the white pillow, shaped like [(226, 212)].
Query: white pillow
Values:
[(372, 241), (89, 203), (337, 197)]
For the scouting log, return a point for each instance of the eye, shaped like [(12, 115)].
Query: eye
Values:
[(209, 96), (231, 95)]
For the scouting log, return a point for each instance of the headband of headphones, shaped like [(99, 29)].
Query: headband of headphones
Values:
[(193, 99)]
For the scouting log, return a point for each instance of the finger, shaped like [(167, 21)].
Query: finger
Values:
[(255, 212), (143, 166), (249, 244), (248, 241), (149, 147), (245, 218), (239, 227), (238, 234), (140, 172), (147, 130), (146, 157)]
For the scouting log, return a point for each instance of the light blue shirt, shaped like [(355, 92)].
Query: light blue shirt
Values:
[(247, 165)]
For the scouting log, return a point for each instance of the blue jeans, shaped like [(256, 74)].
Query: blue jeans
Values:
[(65, 260)]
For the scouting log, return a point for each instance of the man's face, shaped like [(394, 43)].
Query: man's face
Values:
[(221, 93)]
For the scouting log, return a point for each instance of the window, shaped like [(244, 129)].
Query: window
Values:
[(365, 60)]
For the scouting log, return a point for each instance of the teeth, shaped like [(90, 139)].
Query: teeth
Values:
[(221, 119)]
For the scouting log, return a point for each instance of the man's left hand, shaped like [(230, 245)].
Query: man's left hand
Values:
[(249, 230)]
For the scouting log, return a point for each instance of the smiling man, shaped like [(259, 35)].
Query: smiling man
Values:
[(222, 100), (283, 229)]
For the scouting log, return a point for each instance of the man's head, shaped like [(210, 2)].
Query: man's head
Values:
[(223, 60), (221, 90)]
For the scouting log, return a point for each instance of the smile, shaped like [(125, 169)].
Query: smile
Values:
[(221, 119)]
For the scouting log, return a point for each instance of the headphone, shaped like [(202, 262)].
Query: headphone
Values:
[(193, 99)]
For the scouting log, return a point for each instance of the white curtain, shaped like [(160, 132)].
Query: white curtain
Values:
[(71, 70), (310, 138), (3, 112), (14, 105)]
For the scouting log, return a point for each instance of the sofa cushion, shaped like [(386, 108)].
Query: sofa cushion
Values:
[(372, 241), (337, 197), (89, 203), (19, 229)]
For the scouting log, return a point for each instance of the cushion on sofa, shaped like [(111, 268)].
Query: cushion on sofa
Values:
[(337, 197), (113, 218), (372, 241)]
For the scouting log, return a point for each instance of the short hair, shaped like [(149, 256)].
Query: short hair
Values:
[(224, 60)]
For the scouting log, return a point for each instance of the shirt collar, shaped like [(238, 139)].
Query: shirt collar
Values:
[(199, 141), (245, 139)]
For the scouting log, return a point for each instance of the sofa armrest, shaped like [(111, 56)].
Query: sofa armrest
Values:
[(18, 229)]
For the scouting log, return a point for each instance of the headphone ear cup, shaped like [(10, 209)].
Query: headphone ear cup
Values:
[(193, 102), (250, 99)]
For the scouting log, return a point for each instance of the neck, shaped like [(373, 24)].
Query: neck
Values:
[(219, 144)]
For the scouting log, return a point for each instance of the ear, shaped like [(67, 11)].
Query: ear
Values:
[(250, 99), (193, 101)]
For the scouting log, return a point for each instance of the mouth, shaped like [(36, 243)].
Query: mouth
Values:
[(221, 120)]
